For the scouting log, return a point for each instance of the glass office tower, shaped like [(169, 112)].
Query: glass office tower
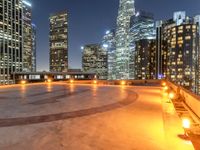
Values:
[(33, 69), (11, 39), (179, 49), (59, 42), (27, 37), (145, 59), (109, 44), (142, 28), (94, 59), (126, 10)]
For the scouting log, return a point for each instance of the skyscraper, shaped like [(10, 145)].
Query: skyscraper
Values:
[(110, 45), (197, 22), (94, 59), (145, 59), (179, 49), (27, 37), (126, 10), (160, 55), (161, 46), (59, 42), (11, 39), (142, 28), (183, 55), (33, 69)]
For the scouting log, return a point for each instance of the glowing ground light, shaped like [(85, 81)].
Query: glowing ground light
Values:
[(71, 81), (95, 81), (186, 123), (49, 80), (165, 94), (166, 88), (164, 84), (123, 83), (171, 95), (23, 82)]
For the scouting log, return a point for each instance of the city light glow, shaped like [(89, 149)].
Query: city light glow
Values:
[(107, 32), (105, 45), (137, 14)]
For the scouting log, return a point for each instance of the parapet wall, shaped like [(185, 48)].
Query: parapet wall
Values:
[(190, 99), (119, 82)]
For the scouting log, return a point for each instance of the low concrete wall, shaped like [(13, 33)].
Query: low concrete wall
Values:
[(192, 100), (119, 82)]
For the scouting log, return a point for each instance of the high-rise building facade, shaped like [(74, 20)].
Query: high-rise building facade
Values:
[(11, 39), (160, 54), (59, 42), (161, 49), (27, 37), (109, 44), (94, 59), (145, 59), (125, 12), (179, 49), (182, 55), (34, 67), (197, 21), (142, 28)]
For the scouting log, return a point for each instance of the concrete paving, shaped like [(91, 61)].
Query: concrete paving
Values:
[(57, 116)]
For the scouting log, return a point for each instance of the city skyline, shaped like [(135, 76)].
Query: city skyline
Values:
[(89, 74), (82, 22)]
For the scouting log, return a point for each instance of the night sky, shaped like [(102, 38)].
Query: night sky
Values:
[(90, 19)]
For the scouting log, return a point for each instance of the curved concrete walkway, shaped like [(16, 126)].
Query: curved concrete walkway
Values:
[(8, 122), (58, 116)]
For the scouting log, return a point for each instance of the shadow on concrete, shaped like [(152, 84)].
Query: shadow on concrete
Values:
[(9, 122)]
